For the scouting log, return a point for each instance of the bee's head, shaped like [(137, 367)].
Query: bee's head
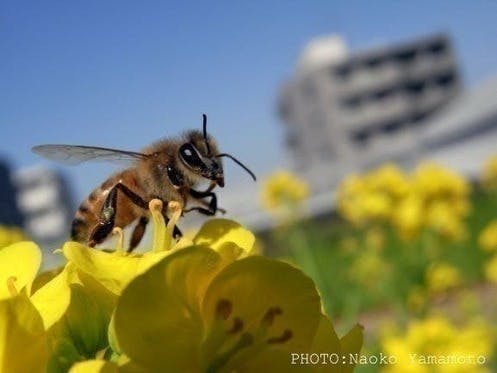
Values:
[(200, 155)]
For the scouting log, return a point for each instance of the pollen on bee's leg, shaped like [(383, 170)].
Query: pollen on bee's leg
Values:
[(117, 231), (11, 285)]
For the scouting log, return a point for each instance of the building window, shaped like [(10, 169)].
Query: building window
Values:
[(382, 94), (391, 127), (352, 102), (342, 71), (415, 87), (373, 62), (437, 48), (406, 56), (446, 80), (419, 118), (361, 137)]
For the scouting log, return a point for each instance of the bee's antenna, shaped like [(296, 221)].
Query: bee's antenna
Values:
[(238, 163), (204, 126)]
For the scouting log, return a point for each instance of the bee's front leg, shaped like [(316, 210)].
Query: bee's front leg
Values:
[(212, 204)]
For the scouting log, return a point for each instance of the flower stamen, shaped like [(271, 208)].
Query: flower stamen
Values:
[(221, 360), (117, 231), (223, 309), (159, 239), (269, 316), (174, 211), (237, 326), (11, 286), (287, 335)]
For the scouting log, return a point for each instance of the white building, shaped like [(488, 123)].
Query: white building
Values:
[(44, 200), (349, 111)]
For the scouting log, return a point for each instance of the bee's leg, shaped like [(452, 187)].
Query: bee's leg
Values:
[(138, 233), (176, 231), (107, 217), (212, 205), (108, 213)]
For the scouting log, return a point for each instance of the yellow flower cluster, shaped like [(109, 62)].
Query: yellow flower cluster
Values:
[(437, 345), (488, 237), (441, 277), (10, 235), (488, 242), (283, 190), (431, 197), (488, 177), (203, 305), (368, 269), (491, 269)]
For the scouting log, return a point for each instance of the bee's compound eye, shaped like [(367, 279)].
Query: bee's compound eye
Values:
[(174, 176), (190, 156)]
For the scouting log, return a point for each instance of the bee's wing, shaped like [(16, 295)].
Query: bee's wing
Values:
[(76, 154)]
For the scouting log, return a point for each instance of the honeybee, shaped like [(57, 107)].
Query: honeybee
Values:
[(168, 170)]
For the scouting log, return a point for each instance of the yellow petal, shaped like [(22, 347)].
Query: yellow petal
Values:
[(45, 277), (52, 299), (82, 331), (94, 366), (326, 341), (157, 320), (112, 270), (351, 344), (21, 262), (23, 341), (217, 232), (253, 286)]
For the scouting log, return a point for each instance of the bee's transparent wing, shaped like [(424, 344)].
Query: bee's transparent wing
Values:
[(76, 154)]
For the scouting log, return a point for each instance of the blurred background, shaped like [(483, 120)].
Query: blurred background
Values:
[(372, 128)]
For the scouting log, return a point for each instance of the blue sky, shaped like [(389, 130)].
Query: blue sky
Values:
[(124, 73)]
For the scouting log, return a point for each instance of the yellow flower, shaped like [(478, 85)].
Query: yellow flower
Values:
[(283, 190), (82, 331), (372, 196), (19, 264), (116, 269), (210, 314), (488, 177), (438, 337), (27, 318), (491, 269), (416, 299), (23, 338), (435, 181), (389, 179), (368, 269), (441, 218), (441, 277), (431, 197), (408, 216), (488, 237), (375, 239), (10, 235)]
